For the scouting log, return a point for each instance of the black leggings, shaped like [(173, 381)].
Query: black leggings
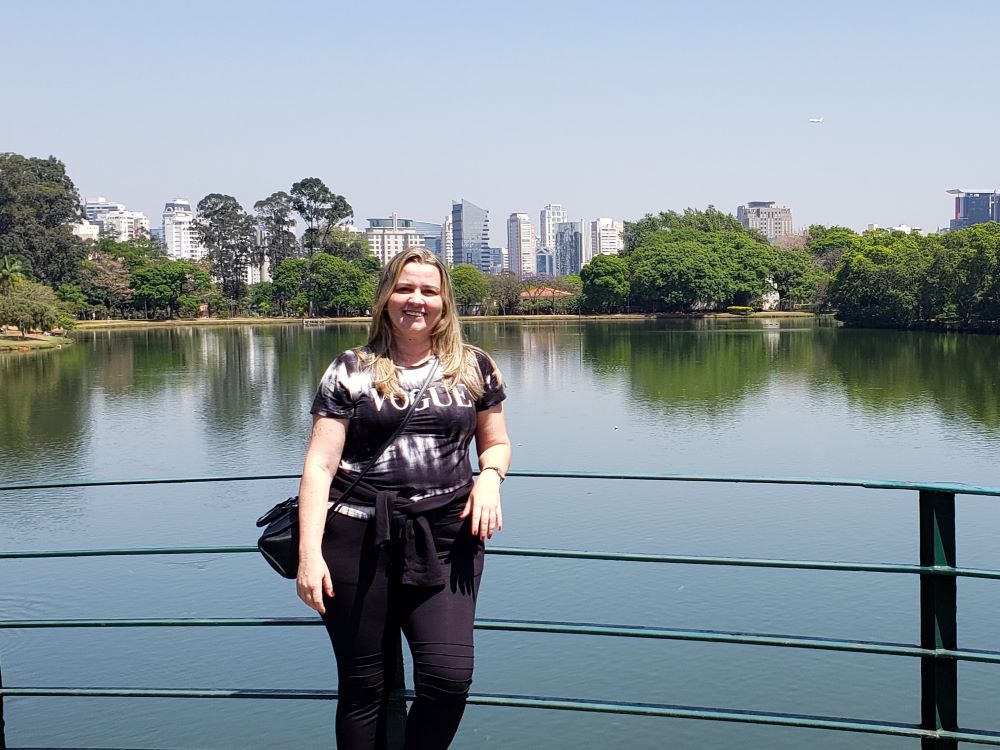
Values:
[(364, 618)]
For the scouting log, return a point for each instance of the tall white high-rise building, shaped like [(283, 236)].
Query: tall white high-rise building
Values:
[(94, 207), (180, 237), (549, 218), (123, 225), (387, 239), (447, 241), (607, 237), (767, 217), (521, 245), (114, 220)]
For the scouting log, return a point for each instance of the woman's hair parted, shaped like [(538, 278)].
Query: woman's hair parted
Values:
[(458, 360)]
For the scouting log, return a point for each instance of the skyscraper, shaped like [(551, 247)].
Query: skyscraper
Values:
[(470, 232), (113, 220), (573, 240), (548, 219), (521, 245), (179, 234), (607, 237), (974, 208), (767, 217), (387, 238)]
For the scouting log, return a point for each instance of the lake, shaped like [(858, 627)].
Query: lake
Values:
[(781, 397)]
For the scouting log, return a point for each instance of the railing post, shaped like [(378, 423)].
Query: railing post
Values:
[(3, 731), (938, 604)]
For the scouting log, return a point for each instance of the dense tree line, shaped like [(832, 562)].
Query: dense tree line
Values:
[(49, 276), (894, 279), (698, 260)]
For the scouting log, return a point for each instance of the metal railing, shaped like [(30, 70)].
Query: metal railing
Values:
[(937, 648)]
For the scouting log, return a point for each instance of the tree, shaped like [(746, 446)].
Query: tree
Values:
[(274, 220), (504, 290), (351, 246), (828, 244), (107, 282), (338, 285), (164, 285), (796, 278), (38, 204), (228, 233), (605, 284), (12, 272), (133, 253), (288, 280), (471, 286), (709, 220), (31, 305), (73, 299), (320, 209), (677, 275)]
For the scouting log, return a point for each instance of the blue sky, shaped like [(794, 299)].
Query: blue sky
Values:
[(612, 109)]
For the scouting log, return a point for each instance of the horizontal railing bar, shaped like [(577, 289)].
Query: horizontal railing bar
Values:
[(956, 488), (551, 626), (550, 703), (857, 567)]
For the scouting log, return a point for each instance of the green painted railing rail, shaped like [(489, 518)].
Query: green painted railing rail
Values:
[(938, 649)]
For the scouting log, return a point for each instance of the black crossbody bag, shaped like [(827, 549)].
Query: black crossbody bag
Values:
[(279, 542)]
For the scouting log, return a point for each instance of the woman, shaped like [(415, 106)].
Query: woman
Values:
[(405, 549)]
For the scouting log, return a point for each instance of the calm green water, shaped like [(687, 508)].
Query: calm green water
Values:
[(707, 397)]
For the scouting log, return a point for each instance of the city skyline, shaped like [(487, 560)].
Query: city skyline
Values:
[(688, 106)]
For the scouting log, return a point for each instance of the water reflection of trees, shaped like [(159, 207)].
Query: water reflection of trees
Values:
[(886, 370), (44, 414), (682, 366)]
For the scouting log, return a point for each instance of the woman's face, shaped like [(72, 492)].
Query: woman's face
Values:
[(415, 303)]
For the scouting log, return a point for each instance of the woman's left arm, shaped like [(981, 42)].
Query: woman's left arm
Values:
[(493, 447)]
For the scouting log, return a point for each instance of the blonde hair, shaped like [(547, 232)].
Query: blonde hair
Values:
[(458, 360)]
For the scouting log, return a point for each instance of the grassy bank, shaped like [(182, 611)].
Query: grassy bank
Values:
[(15, 343)]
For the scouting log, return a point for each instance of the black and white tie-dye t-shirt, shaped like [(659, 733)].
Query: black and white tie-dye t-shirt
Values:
[(431, 455)]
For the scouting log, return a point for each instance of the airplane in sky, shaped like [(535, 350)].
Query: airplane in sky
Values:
[(816, 120)]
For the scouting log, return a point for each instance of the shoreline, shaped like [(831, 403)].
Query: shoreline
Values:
[(93, 325)]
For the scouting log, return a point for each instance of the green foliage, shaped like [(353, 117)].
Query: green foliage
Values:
[(133, 253), (160, 286), (273, 216), (320, 209), (739, 310), (73, 298), (605, 284), (229, 235), (38, 204), (339, 286), (12, 271), (504, 290), (351, 246), (829, 244), (703, 222), (796, 277), (674, 276), (30, 305), (892, 279), (471, 286), (107, 282)]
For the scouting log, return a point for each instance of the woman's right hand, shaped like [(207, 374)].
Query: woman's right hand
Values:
[(312, 582)]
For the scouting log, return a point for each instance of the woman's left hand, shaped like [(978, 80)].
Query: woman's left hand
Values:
[(484, 506)]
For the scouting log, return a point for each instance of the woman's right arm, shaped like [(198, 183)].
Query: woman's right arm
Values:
[(322, 460)]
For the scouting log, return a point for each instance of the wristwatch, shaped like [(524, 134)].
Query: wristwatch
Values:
[(496, 469)]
